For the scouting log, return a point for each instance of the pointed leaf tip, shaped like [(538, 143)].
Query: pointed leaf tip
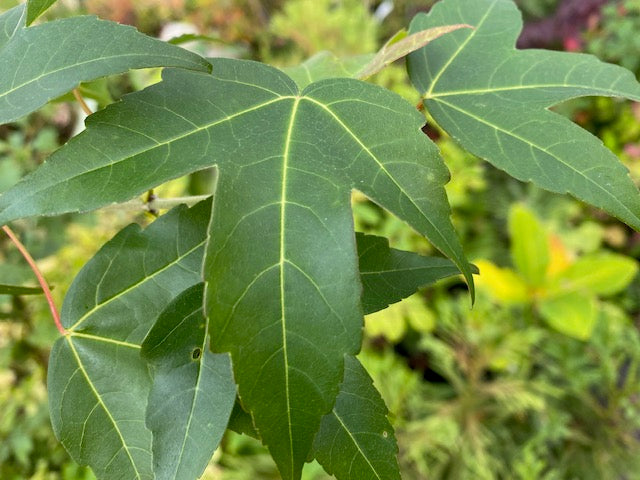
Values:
[(493, 99)]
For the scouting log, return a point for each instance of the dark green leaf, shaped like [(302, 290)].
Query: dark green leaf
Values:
[(241, 422), (193, 390), (389, 275), (35, 8), (19, 290), (494, 99), (281, 265), (98, 383), (97, 398), (355, 440), (45, 61)]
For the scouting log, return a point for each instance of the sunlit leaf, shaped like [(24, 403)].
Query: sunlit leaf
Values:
[(503, 284), (356, 440), (529, 245), (98, 383), (50, 59), (193, 390), (599, 273), (494, 100), (395, 50), (573, 314), (35, 8)]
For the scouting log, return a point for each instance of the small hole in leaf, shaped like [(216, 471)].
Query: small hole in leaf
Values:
[(196, 354), (385, 434)]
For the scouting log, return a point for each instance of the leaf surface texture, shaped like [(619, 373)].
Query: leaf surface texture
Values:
[(50, 59), (494, 100), (193, 391), (98, 383)]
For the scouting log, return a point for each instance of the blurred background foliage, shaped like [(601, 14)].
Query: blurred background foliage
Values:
[(539, 381)]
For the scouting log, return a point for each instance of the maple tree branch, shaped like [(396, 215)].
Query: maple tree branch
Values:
[(41, 280)]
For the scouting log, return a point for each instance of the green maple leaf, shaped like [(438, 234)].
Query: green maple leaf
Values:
[(35, 8), (98, 384), (355, 440), (494, 100), (113, 303), (281, 267), (44, 61), (193, 391)]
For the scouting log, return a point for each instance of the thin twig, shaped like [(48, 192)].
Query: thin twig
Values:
[(83, 104), (39, 276)]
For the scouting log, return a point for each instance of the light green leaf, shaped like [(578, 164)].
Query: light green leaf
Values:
[(573, 314), (98, 383), (529, 245), (325, 65), (389, 275), (281, 264), (19, 290), (45, 61), (494, 99), (355, 440), (193, 390), (599, 273), (503, 284), (397, 49), (35, 8)]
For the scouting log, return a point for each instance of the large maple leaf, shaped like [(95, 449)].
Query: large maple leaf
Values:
[(494, 99), (281, 267)]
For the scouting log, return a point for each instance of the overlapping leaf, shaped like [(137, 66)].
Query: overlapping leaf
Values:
[(400, 47), (281, 265), (98, 384), (389, 275), (325, 65), (355, 440), (493, 99), (193, 390), (42, 62), (35, 8), (83, 373)]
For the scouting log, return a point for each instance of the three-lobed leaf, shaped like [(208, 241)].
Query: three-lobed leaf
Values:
[(193, 391), (44, 61), (494, 100)]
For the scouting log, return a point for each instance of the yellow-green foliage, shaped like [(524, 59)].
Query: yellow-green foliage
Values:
[(341, 26), (564, 289)]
